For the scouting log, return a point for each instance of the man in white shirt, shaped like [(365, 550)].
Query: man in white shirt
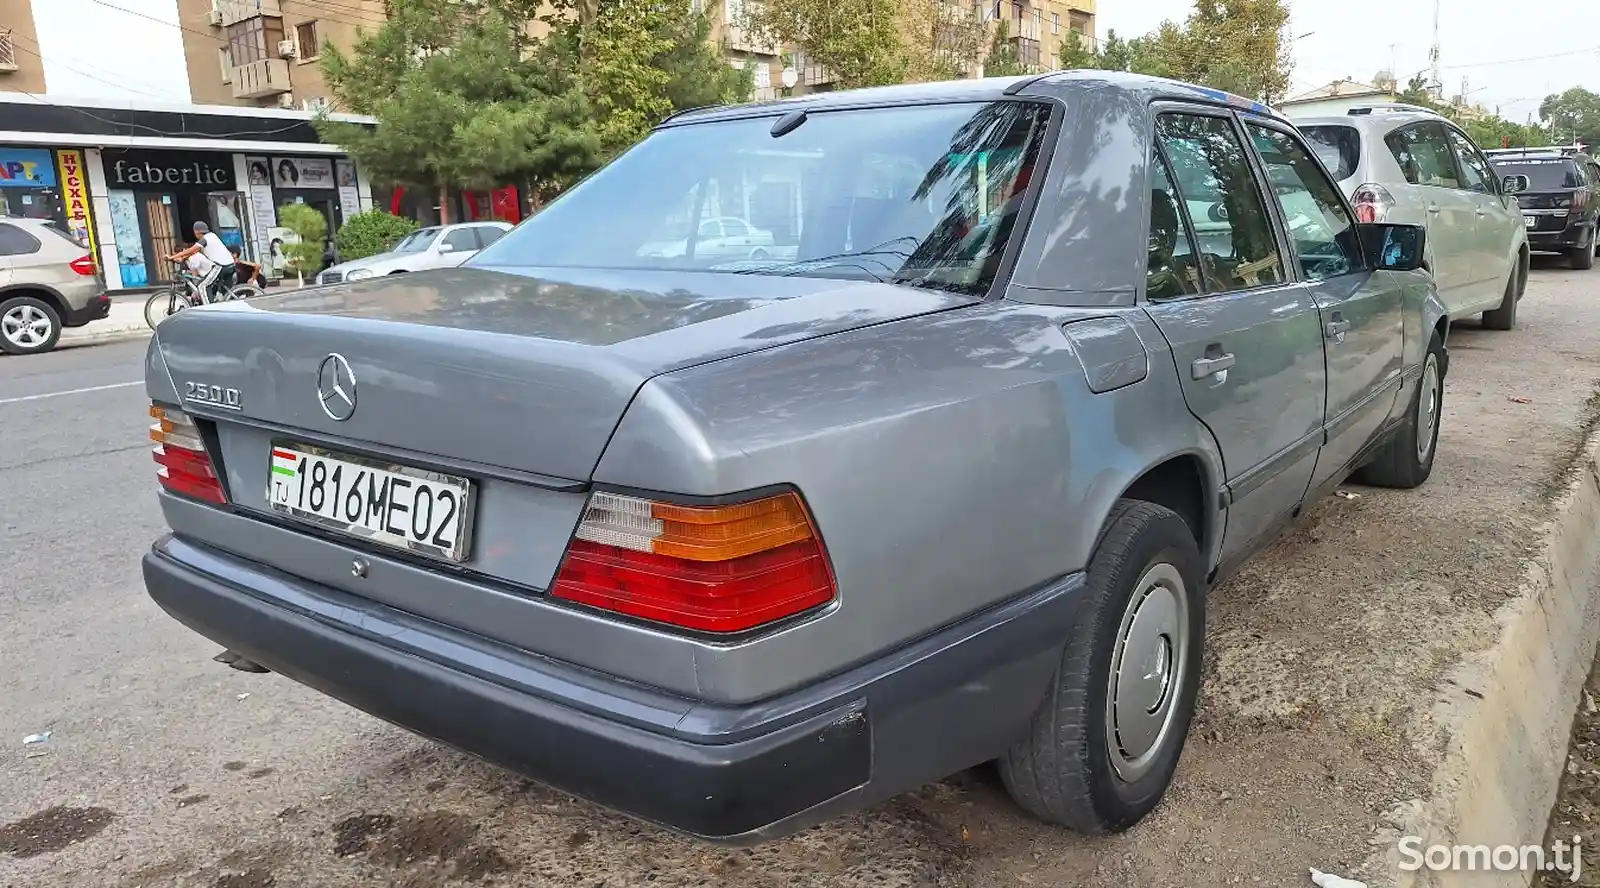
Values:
[(221, 275)]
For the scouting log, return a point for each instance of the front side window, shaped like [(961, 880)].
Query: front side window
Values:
[(1238, 249), (1475, 172), (1324, 235), (1424, 155), (924, 196), (461, 240)]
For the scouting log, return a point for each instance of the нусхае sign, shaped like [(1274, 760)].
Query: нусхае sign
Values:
[(168, 170)]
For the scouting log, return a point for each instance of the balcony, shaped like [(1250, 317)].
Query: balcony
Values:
[(1026, 27), (8, 52), (746, 40), (267, 77), (236, 11)]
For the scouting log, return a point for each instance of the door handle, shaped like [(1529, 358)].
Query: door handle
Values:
[(1337, 327), (1204, 367), (1433, 209), (1482, 211)]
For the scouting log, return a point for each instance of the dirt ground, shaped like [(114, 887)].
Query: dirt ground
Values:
[(165, 769)]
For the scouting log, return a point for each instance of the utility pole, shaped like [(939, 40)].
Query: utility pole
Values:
[(1433, 57)]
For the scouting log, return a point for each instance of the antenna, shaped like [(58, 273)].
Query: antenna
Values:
[(1433, 55)]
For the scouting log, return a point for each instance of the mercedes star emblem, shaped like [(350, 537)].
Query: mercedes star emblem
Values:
[(336, 387)]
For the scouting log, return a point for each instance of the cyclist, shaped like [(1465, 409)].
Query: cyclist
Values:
[(220, 277)]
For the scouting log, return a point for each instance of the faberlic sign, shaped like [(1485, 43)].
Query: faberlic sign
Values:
[(168, 170)]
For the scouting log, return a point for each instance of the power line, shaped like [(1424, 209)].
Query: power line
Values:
[(219, 39), (1537, 58), (167, 94), (83, 73)]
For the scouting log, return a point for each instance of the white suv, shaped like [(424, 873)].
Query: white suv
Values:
[(1404, 163)]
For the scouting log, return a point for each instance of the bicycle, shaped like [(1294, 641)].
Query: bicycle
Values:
[(186, 292)]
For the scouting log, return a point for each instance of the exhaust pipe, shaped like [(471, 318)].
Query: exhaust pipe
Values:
[(235, 660)]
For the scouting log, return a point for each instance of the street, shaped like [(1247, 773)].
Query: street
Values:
[(163, 768)]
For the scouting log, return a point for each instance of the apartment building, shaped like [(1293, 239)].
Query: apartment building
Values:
[(264, 52), (21, 66), (1040, 27)]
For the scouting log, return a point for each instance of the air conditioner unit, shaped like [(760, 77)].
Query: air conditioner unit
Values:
[(288, 49), (315, 104), (286, 101), (214, 17)]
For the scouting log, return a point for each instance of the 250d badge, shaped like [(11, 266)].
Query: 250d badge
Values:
[(221, 397)]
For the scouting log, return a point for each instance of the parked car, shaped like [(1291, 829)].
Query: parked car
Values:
[(728, 238), (48, 281), (1556, 189), (737, 550), (440, 246), (1405, 163)]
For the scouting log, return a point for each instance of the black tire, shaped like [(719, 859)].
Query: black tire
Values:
[(1505, 317), (1582, 259), (28, 325), (1063, 772), (1400, 463)]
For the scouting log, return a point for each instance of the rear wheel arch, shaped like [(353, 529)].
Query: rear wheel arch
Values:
[(1185, 484), (47, 295)]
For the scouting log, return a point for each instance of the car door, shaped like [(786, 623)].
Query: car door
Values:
[(1451, 215), (709, 244), (1246, 338), (1497, 225), (457, 246), (1361, 312), (737, 242)]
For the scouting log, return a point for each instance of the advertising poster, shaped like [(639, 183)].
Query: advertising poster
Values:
[(349, 198), (263, 212), (302, 172), (130, 243), (75, 199), (26, 168)]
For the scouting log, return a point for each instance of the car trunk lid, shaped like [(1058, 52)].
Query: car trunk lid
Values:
[(513, 371)]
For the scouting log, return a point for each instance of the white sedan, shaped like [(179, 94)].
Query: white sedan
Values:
[(721, 239), (441, 246)]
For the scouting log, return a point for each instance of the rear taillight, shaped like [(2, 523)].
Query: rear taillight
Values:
[(1372, 202), (706, 568), (1580, 199), (185, 466), (83, 265)]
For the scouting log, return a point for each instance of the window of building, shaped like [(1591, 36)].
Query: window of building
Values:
[(1078, 22), (763, 76), (305, 38), (1055, 23), (253, 40), (226, 59)]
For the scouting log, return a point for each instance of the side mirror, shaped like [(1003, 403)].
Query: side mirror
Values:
[(1392, 247), (1514, 184), (446, 247)]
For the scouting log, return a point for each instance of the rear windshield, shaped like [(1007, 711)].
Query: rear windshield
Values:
[(924, 195), (1338, 147), (1554, 174)]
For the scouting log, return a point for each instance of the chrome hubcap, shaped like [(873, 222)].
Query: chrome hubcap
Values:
[(26, 326), (1147, 671), (1428, 408)]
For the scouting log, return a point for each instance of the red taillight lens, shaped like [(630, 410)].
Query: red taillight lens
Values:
[(1580, 200), (185, 465), (706, 568), (83, 265)]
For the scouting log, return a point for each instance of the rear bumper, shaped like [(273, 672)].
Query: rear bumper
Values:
[(1576, 235), (97, 307), (733, 774)]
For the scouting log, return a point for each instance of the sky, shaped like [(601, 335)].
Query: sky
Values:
[(92, 50)]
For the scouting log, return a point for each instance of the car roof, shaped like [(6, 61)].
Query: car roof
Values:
[(1058, 84), (1374, 118)]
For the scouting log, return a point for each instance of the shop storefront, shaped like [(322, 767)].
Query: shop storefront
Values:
[(155, 199)]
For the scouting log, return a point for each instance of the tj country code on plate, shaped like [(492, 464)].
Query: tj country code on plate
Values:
[(396, 505)]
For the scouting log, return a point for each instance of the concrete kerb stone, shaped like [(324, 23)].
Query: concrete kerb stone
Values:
[(1506, 713)]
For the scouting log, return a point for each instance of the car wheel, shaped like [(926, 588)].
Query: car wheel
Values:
[(1583, 259), (1407, 460), (28, 326), (759, 255), (1505, 317), (1102, 749)]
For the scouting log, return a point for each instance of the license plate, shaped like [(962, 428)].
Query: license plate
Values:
[(1530, 221), (394, 505)]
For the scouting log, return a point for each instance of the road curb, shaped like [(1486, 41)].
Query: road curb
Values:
[(104, 337), (1506, 713)]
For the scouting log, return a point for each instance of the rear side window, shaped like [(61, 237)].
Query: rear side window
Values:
[(16, 242), (1172, 271), (1338, 147), (1218, 188), (1544, 174), (1424, 155)]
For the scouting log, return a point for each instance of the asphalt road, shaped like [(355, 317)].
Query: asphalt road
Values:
[(165, 769)]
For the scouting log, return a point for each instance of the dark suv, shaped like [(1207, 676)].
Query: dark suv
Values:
[(1558, 198)]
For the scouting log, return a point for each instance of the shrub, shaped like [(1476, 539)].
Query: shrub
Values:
[(370, 233), (309, 225)]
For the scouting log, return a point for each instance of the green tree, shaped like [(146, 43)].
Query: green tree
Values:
[(858, 40), (311, 227), (1573, 116), (462, 100), (370, 233), (1076, 52), (1003, 60)]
